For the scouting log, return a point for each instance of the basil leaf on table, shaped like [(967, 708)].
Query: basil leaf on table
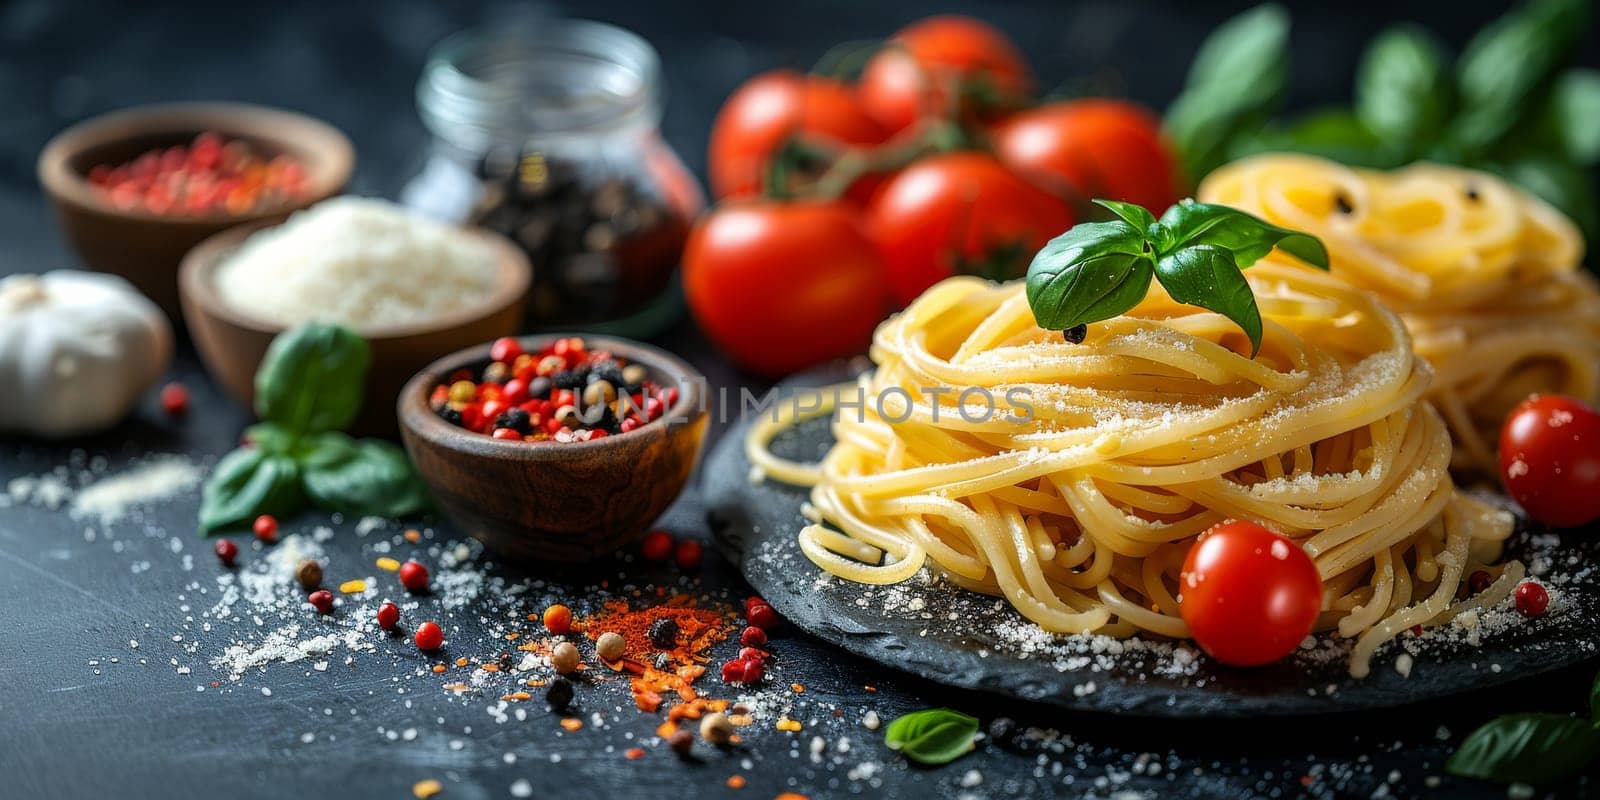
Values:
[(1246, 237), (1402, 87), (310, 380), (1207, 276), (366, 477), (1092, 272), (1527, 748), (932, 736), (1508, 62), (248, 482), (1237, 79)]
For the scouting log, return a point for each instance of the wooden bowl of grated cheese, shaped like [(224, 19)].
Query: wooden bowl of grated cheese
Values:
[(405, 296)]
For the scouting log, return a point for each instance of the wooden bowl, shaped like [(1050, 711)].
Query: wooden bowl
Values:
[(549, 501), (232, 343), (145, 247)]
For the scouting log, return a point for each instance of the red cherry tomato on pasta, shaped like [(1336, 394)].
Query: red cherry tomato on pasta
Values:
[(1248, 595), (925, 65), (782, 286), (960, 213), (1098, 148), (1550, 460), (766, 111)]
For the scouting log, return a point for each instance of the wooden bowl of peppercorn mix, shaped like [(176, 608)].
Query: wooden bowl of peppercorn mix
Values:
[(136, 189), (557, 500)]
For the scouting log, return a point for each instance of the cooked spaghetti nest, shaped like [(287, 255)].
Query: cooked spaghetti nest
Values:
[(1485, 275), (1154, 429)]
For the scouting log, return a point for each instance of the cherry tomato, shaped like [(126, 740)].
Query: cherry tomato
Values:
[(925, 65), (1248, 595), (1099, 148), (960, 213), (766, 111), (783, 286), (1550, 460)]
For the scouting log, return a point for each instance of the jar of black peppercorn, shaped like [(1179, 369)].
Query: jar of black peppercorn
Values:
[(549, 134)]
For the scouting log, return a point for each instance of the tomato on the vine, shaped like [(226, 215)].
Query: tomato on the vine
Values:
[(1550, 460), (782, 286), (1248, 595), (946, 66), (960, 212), (769, 110), (1101, 148)]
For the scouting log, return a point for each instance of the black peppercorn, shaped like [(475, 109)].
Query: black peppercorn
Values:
[(575, 378), (559, 695), (607, 371), (1002, 729), (539, 387), (1075, 334), (664, 633), (450, 415), (516, 419)]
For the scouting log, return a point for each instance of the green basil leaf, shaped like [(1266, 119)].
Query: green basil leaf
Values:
[(1237, 79), (1562, 185), (246, 483), (365, 477), (1507, 64), (1536, 749), (1335, 134), (1207, 276), (1574, 114), (1247, 237), (1402, 87), (270, 437), (310, 379), (1132, 213), (932, 736), (1092, 272)]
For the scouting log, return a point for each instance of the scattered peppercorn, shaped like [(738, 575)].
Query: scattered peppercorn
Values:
[(681, 742), (565, 658), (388, 616), (716, 728), (227, 551), (1002, 729), (558, 619), (687, 553), (656, 546), (429, 636), (414, 576), (174, 399), (1075, 334), (266, 528), (753, 637), (1532, 599), (559, 694), (664, 633), (762, 616), (322, 599), (309, 574), (610, 646), (742, 670), (1478, 581)]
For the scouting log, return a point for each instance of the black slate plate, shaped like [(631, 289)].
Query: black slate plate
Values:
[(972, 641)]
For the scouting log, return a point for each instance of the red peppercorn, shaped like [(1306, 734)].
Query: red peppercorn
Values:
[(656, 545), (323, 600), (175, 399), (762, 616), (558, 619), (388, 616), (687, 553), (505, 349), (742, 670), (751, 654), (753, 637), (508, 434), (516, 391), (429, 636), (629, 424), (752, 601), (1478, 581), (413, 576), (227, 551), (1532, 599), (266, 528)]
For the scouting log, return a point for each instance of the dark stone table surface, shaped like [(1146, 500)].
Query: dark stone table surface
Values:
[(86, 712)]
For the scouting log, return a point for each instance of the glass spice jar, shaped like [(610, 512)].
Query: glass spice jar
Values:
[(549, 134)]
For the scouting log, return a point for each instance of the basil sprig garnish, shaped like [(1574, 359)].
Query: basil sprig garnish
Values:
[(1098, 270), (1536, 749), (932, 736), (308, 388)]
